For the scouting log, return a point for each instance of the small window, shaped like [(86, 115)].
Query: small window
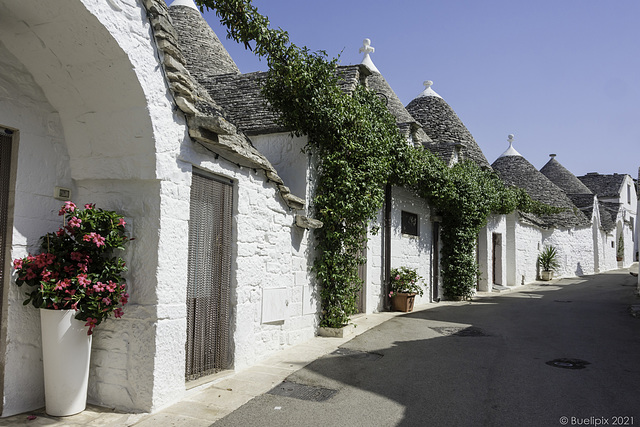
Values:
[(409, 223), (629, 193)]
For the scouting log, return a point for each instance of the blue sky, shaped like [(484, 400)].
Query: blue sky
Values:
[(562, 75)]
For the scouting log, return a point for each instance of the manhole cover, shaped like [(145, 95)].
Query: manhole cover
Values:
[(454, 331), (357, 354), (302, 392), (568, 363)]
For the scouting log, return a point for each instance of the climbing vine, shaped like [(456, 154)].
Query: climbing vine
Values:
[(360, 150)]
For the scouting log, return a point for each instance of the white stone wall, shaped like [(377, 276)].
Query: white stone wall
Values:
[(284, 152), (375, 286), (271, 252), (108, 112), (524, 243), (495, 224), (575, 250), (42, 163), (412, 251)]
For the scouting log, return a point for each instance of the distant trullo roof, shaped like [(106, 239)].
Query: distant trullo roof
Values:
[(603, 185), (377, 83), (204, 54), (563, 178), (445, 128), (516, 170)]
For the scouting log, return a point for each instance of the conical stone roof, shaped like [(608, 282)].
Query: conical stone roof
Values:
[(204, 54), (407, 124), (445, 128), (516, 170), (563, 178)]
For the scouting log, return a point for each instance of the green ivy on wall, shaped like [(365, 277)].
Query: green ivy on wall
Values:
[(360, 150)]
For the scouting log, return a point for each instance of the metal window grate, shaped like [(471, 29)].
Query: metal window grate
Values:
[(5, 179), (209, 280)]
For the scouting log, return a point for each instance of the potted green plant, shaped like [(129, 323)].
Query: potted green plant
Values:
[(620, 249), (404, 285), (76, 282), (548, 262)]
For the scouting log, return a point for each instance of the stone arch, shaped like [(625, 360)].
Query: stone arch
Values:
[(82, 87), (89, 80)]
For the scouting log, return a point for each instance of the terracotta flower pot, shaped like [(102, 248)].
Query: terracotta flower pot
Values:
[(403, 302)]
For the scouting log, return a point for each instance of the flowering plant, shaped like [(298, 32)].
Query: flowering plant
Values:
[(404, 280), (76, 268)]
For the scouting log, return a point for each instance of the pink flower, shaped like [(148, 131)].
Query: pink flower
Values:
[(83, 280), (121, 222), (118, 313), (91, 323), (60, 232), (75, 222), (124, 299), (111, 287), (31, 274), (398, 277), (106, 300), (95, 237), (67, 208), (90, 206), (17, 263), (98, 287)]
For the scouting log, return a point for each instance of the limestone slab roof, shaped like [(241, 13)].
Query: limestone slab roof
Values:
[(603, 185), (563, 178), (203, 52), (445, 129), (206, 121), (517, 171), (241, 98)]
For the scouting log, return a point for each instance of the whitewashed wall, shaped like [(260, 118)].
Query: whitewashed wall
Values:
[(269, 252), (495, 224), (524, 243), (575, 250), (412, 251), (109, 111), (42, 163)]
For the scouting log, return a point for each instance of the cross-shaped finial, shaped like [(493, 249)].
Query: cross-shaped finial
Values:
[(510, 138), (366, 47)]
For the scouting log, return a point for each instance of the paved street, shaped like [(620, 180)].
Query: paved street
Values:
[(480, 363)]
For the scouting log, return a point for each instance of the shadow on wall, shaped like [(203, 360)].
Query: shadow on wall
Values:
[(579, 271)]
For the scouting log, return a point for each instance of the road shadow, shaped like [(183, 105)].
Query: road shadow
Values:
[(480, 363)]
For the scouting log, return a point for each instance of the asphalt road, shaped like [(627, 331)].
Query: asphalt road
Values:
[(479, 363)]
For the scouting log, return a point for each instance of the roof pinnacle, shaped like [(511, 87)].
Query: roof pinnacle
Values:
[(187, 3), (366, 60), (510, 151), (427, 90)]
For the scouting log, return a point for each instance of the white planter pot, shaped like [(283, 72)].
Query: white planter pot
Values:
[(66, 349), (546, 275)]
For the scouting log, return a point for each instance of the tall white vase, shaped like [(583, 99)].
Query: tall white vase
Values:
[(66, 349)]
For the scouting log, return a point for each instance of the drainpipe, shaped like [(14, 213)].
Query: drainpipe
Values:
[(387, 245)]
